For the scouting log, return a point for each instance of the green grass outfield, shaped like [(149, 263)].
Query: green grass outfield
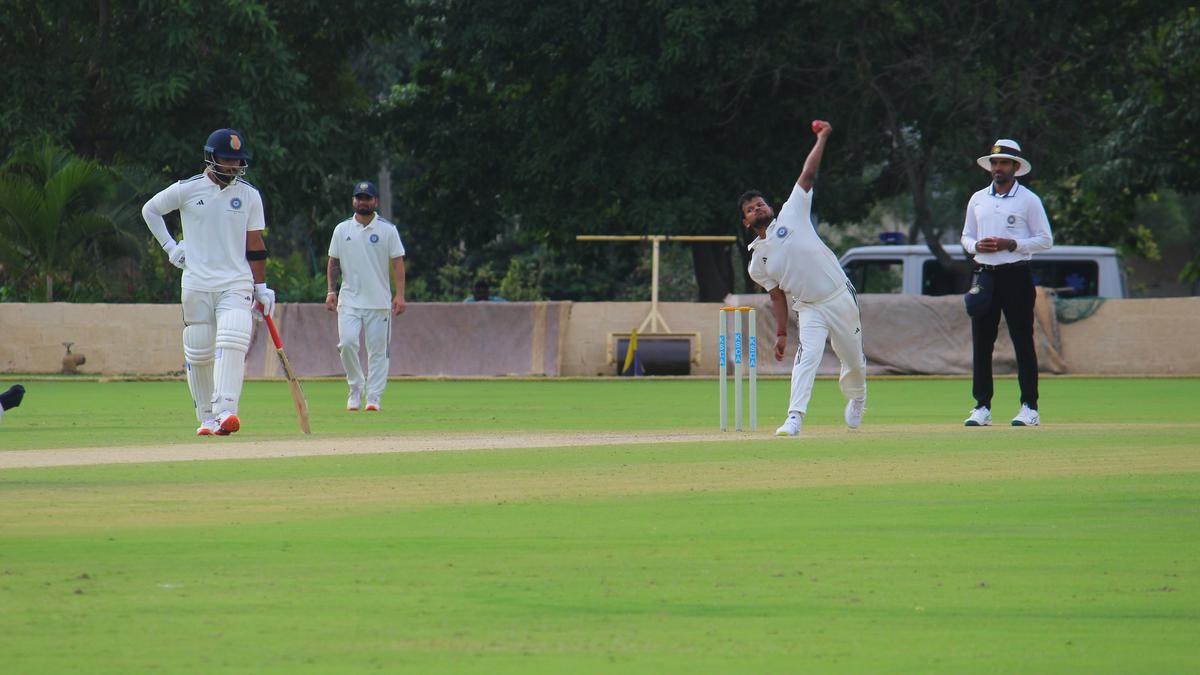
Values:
[(913, 545)]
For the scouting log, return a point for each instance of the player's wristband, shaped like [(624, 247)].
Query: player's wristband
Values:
[(330, 293)]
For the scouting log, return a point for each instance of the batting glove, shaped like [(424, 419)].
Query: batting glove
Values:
[(266, 297), (176, 254)]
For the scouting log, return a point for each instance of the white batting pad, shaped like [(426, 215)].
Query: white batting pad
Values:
[(232, 343), (199, 342), (198, 351)]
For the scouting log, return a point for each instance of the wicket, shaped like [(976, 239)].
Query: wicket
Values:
[(752, 361)]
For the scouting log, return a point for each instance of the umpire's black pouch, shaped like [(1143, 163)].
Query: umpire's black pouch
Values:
[(978, 298)]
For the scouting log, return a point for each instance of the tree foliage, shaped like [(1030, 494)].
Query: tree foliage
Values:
[(632, 117), (146, 82), (52, 221), (511, 126)]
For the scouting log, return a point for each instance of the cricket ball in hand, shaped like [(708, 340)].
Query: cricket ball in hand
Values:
[(816, 126)]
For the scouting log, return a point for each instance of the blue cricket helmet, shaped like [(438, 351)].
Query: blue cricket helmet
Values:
[(226, 144)]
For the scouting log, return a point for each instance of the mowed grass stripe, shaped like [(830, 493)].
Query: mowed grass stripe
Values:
[(1055, 575), (105, 414), (912, 546), (405, 442), (186, 494)]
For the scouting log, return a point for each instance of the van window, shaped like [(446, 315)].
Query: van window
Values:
[(939, 280), (1074, 278), (876, 276)]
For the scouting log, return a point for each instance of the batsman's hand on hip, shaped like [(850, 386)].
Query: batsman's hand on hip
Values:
[(176, 253), (780, 346), (265, 298)]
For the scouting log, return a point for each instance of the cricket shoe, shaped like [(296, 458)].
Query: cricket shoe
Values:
[(1027, 417), (227, 423), (854, 412), (373, 404), (980, 417), (355, 401), (208, 427), (790, 426)]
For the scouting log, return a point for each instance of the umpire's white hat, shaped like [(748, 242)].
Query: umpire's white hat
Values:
[(1008, 149)]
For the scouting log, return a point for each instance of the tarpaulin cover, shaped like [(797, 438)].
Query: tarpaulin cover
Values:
[(915, 334), (431, 339)]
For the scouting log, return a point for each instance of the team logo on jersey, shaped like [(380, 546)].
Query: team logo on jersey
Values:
[(235, 202), (235, 142), (374, 239), (781, 232), (1012, 219)]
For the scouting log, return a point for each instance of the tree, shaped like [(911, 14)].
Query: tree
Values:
[(513, 125), (145, 86), (572, 118), (52, 224), (1151, 145), (934, 83)]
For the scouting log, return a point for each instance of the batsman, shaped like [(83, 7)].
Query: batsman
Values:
[(223, 258)]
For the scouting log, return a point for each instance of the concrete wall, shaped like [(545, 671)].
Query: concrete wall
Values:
[(1124, 337), (116, 339), (1136, 337)]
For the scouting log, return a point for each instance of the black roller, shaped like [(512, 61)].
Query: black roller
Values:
[(658, 356)]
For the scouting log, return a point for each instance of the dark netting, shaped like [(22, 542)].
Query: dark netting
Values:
[(1070, 310)]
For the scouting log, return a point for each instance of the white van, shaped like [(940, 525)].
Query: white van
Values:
[(1074, 271)]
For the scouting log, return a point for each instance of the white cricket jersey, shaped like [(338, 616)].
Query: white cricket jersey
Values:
[(793, 258), (365, 254), (1017, 215), (215, 222)]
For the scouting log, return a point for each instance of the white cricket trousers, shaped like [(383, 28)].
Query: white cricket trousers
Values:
[(837, 320), (376, 325)]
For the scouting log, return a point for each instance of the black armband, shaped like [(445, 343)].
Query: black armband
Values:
[(256, 255)]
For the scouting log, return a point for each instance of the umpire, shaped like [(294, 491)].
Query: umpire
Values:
[(1005, 225)]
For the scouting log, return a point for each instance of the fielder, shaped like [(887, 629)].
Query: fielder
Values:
[(788, 259), (223, 258), (362, 249)]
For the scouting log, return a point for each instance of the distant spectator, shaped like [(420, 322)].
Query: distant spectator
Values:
[(482, 292)]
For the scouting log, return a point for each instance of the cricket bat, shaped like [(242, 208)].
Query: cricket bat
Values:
[(293, 382)]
